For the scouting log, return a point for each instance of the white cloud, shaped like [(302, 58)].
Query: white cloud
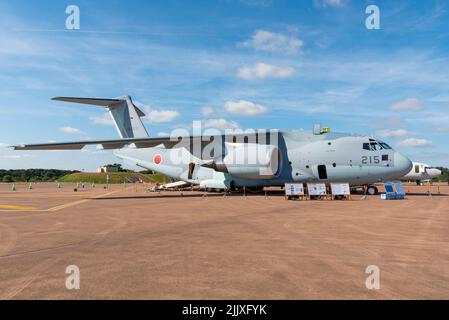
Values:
[(162, 115), (394, 133), (274, 42), (442, 129), (244, 108), (411, 104), (264, 70), (220, 124), (207, 111), (163, 134), (158, 116), (71, 130), (329, 3), (414, 143), (105, 120)]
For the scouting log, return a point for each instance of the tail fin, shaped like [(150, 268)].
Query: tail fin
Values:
[(125, 114)]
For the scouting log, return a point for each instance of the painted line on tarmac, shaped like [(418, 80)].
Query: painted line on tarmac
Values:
[(15, 208), (11, 207)]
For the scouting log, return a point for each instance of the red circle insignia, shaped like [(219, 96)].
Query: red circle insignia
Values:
[(157, 159)]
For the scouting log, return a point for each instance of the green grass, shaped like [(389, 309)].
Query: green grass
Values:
[(100, 178), (156, 177)]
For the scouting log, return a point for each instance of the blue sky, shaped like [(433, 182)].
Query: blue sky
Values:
[(231, 63)]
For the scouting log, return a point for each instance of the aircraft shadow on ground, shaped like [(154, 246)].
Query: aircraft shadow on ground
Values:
[(427, 195), (271, 193), (187, 195)]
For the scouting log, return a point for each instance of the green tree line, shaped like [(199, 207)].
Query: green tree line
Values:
[(444, 175), (31, 175)]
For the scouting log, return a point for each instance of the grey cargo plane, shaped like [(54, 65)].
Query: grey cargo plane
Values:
[(251, 159)]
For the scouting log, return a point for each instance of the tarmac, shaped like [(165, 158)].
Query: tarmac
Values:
[(132, 244)]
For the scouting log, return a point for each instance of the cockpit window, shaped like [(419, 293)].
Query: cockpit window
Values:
[(385, 146), (375, 146)]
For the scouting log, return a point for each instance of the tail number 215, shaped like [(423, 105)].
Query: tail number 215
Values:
[(370, 160)]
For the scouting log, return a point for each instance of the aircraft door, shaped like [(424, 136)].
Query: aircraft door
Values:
[(191, 170), (322, 172)]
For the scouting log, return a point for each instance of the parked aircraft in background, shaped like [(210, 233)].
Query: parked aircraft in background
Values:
[(421, 172), (252, 159)]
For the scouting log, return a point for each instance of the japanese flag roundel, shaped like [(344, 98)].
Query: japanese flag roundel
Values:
[(157, 159)]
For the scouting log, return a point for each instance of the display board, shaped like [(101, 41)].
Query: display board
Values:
[(294, 189), (316, 189), (340, 189)]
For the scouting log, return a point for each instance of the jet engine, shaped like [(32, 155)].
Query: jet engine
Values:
[(249, 161)]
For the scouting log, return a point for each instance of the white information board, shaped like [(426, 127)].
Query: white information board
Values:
[(294, 189), (316, 189), (340, 189)]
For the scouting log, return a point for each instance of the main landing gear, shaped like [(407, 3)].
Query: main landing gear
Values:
[(372, 190)]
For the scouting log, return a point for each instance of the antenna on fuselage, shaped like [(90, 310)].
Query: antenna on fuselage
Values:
[(317, 130)]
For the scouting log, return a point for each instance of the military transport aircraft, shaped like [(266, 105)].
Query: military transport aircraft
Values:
[(251, 159), (421, 172)]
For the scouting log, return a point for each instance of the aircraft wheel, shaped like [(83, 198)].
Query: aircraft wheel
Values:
[(372, 190), (254, 189)]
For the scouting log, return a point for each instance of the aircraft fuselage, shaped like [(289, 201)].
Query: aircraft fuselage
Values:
[(304, 157)]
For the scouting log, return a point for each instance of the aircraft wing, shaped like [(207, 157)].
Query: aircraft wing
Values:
[(168, 142), (106, 144)]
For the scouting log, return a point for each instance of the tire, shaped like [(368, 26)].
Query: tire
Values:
[(372, 191)]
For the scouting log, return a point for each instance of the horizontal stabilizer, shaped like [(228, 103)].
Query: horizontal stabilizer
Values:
[(108, 103)]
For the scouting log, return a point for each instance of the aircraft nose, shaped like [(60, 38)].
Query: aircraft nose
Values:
[(402, 164)]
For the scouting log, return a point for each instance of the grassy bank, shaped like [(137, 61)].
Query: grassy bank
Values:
[(100, 178)]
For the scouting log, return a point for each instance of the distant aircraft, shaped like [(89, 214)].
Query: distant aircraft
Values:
[(421, 172), (251, 159)]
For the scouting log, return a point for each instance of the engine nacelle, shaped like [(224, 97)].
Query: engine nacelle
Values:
[(250, 161)]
